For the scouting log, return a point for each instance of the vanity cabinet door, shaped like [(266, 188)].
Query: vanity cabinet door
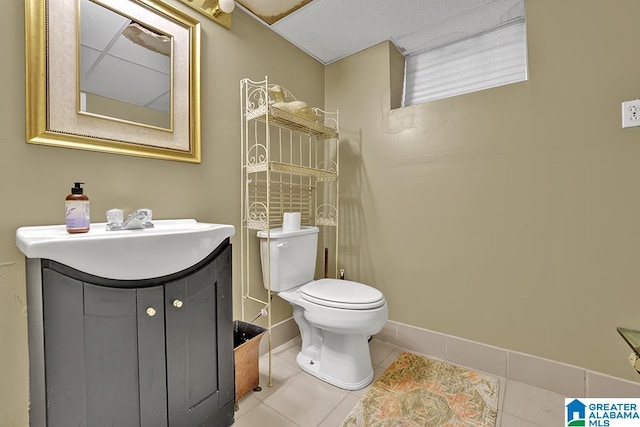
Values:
[(199, 373), (99, 370)]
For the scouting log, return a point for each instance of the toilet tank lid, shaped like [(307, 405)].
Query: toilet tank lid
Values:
[(279, 233), (343, 291)]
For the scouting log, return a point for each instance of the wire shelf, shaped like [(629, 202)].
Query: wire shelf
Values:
[(292, 169), (290, 163), (291, 121)]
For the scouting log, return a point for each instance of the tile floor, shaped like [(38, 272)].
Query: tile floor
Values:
[(299, 399)]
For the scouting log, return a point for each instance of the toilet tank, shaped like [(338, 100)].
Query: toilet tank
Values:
[(293, 256)]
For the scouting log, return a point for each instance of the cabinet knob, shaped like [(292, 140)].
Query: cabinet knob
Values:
[(151, 311), (177, 303)]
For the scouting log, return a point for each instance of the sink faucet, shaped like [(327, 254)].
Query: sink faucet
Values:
[(141, 218)]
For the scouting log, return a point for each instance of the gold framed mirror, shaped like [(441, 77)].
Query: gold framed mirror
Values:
[(115, 76)]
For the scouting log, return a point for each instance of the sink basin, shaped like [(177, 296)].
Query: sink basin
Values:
[(171, 246)]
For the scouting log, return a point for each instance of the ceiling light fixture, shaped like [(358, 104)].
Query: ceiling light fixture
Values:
[(224, 6), (217, 10)]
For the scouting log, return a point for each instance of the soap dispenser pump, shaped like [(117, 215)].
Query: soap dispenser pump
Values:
[(77, 210)]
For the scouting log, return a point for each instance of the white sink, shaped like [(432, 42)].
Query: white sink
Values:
[(171, 246)]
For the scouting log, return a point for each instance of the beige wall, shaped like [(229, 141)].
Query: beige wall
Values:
[(34, 180), (509, 216)]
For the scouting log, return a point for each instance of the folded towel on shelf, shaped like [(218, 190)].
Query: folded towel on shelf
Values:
[(299, 108)]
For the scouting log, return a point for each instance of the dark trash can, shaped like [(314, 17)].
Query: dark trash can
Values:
[(246, 340)]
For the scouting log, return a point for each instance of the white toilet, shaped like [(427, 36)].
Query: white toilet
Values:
[(335, 317)]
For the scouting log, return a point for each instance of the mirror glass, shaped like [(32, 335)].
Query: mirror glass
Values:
[(125, 68)]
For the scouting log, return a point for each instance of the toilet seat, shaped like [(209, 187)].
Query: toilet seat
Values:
[(343, 294)]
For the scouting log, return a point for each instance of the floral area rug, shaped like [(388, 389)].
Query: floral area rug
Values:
[(417, 391)]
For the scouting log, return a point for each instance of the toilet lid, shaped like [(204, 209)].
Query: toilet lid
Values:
[(342, 294)]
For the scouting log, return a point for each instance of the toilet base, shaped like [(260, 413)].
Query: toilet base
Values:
[(349, 369)]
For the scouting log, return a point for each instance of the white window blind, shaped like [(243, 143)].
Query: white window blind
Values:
[(493, 58)]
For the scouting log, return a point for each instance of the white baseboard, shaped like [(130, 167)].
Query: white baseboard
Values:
[(568, 380), (561, 378)]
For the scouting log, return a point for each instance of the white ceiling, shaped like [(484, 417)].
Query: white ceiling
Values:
[(330, 30)]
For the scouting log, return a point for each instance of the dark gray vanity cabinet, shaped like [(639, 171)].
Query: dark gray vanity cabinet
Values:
[(154, 353)]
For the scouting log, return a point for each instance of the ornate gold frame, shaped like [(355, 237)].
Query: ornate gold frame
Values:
[(51, 69)]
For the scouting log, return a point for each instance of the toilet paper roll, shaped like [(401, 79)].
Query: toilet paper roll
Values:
[(291, 221)]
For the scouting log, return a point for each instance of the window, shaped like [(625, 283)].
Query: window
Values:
[(493, 58)]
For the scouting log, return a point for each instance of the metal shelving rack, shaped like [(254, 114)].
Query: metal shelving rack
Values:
[(290, 163)]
